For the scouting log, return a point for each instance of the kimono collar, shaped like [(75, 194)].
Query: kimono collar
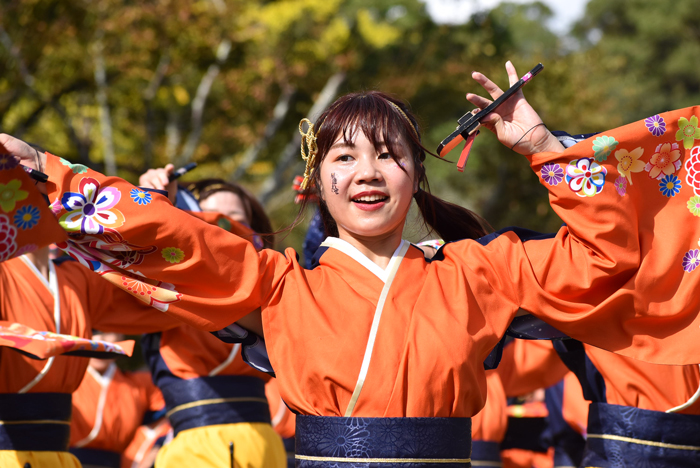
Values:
[(352, 252)]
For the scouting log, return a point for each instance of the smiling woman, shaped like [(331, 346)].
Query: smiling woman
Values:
[(368, 152), (381, 352)]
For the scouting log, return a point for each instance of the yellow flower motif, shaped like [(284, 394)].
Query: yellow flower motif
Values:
[(629, 162), (688, 131), (10, 194), (173, 254)]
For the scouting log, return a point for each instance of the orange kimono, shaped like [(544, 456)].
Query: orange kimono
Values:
[(72, 301), (619, 275), (107, 411)]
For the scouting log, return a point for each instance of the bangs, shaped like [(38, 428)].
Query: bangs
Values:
[(373, 115)]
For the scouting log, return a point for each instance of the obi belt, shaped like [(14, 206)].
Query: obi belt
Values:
[(208, 401), (622, 436), (342, 442), (35, 421), (95, 458)]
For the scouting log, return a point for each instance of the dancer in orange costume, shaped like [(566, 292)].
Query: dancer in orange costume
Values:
[(108, 408), (444, 317)]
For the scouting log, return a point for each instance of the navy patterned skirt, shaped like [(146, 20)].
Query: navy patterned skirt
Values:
[(621, 437), (335, 442)]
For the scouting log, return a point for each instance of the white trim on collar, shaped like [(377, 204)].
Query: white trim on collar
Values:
[(352, 252)]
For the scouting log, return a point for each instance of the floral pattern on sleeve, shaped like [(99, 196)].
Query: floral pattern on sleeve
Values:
[(585, 177), (92, 209)]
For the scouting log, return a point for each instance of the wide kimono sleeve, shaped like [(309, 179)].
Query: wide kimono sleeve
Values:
[(179, 264), (26, 223), (622, 273)]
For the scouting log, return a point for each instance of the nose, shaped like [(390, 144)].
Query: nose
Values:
[(367, 170)]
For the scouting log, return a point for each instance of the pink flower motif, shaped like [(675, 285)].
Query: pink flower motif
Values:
[(91, 210), (665, 161), (621, 185), (8, 237)]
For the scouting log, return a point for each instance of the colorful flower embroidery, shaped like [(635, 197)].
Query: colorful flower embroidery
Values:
[(76, 168), (585, 177), (603, 146), (56, 207), (621, 185), (629, 162), (91, 210), (656, 125), (8, 234), (141, 197), (670, 185), (666, 160), (688, 131), (552, 174), (691, 260), (7, 161), (692, 165), (173, 254), (694, 206), (10, 194), (27, 217), (109, 249)]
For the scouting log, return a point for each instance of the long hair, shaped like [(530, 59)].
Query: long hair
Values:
[(385, 119), (254, 211)]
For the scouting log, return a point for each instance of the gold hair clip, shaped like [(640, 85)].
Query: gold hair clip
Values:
[(410, 124), (308, 138)]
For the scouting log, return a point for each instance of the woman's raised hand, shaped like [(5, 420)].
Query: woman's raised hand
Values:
[(27, 155), (515, 122), (158, 179)]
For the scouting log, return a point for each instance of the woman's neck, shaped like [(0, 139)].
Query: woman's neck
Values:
[(40, 259), (377, 249)]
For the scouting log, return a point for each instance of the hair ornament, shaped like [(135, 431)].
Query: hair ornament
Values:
[(410, 124), (308, 153)]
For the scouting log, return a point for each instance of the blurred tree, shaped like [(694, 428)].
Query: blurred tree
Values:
[(225, 82)]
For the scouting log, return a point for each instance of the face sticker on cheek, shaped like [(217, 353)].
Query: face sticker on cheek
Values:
[(334, 183)]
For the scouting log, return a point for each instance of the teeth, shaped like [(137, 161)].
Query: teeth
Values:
[(370, 198)]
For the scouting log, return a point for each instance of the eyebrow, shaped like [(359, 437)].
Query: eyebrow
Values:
[(342, 144)]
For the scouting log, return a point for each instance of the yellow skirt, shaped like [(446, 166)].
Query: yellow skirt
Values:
[(34, 459), (255, 445)]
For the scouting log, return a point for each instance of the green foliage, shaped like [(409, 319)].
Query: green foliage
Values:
[(625, 60)]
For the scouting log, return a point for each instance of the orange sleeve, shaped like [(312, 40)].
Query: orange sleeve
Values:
[(622, 273), (26, 222), (153, 398), (527, 365), (112, 309), (159, 254)]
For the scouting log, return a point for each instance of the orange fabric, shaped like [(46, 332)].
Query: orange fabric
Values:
[(613, 277), (190, 353), (639, 384), (491, 422), (142, 450), (527, 365), (129, 396), (574, 406), (283, 420), (519, 458), (26, 222), (87, 302)]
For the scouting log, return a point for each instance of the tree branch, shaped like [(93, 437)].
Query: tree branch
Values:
[(105, 117), (200, 100), (278, 115), (276, 179)]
